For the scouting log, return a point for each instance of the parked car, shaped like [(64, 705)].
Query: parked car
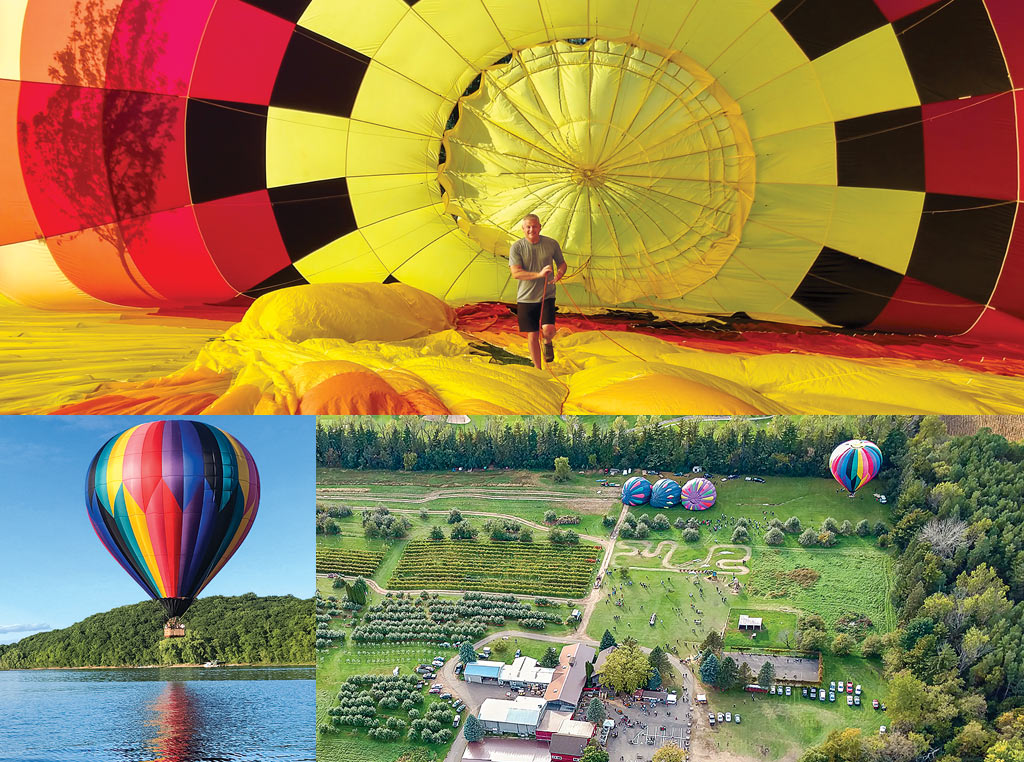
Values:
[(832, 685), (772, 690), (758, 479), (849, 700), (736, 719), (721, 717), (857, 689), (849, 686), (445, 696), (841, 688), (728, 716), (458, 670), (881, 730), (803, 692), (814, 693), (856, 700), (821, 695), (519, 652), (874, 704), (711, 717), (789, 691), (456, 721), (831, 696)]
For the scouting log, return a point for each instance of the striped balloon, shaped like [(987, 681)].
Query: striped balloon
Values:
[(665, 493), (855, 463), (699, 494), (636, 491), (172, 501)]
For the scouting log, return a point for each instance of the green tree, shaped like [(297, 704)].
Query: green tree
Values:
[(766, 675), (549, 659), (808, 538), (659, 659), (409, 460), (436, 533), (454, 516), (563, 472), (626, 668), (792, 525), (863, 528), (357, 591), (669, 753), (728, 673), (740, 535), (526, 535), (774, 537), (1011, 750), (843, 643), (607, 640), (710, 668), (473, 730), (654, 681), (550, 517), (871, 646), (594, 754), (745, 676), (467, 653), (813, 639), (596, 712), (691, 535), (712, 642)]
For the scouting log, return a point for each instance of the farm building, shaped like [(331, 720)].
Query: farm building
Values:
[(750, 622), (567, 748), (520, 716), (551, 723), (506, 750), (570, 677), (523, 672), (483, 671), (652, 697)]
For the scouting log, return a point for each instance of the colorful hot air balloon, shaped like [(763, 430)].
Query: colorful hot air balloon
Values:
[(172, 501), (855, 463), (665, 493), (699, 494), (636, 491)]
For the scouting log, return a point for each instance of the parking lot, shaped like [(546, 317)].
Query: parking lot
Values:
[(657, 736), (637, 743)]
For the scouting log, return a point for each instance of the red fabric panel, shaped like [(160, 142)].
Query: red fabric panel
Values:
[(144, 140), (970, 147), (917, 307), (1008, 19), (62, 157), (169, 251), (240, 54), (897, 9), (242, 237), (17, 221), (155, 43), (1009, 291), (66, 41)]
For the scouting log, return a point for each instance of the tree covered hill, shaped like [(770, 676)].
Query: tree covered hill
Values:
[(246, 629)]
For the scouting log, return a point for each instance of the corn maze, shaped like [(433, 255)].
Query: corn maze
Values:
[(501, 567), (347, 561)]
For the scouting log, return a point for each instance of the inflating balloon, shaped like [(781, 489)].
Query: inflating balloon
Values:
[(665, 493), (172, 501), (827, 162), (699, 494), (636, 491), (855, 463)]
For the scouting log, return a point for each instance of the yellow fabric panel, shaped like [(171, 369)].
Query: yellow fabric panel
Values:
[(467, 26), (762, 53), (487, 274), (876, 224), (348, 23), (377, 150), (519, 21), (347, 259), (805, 156), (304, 147), (800, 210), (377, 197), (713, 25), (419, 53), (439, 262), (617, 19), (867, 76), (398, 239), (394, 100), (567, 18), (657, 23), (481, 387), (788, 102), (29, 276), (12, 15)]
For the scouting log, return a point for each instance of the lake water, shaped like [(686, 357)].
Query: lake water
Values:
[(158, 715)]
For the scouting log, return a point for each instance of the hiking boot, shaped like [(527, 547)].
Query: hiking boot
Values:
[(549, 352)]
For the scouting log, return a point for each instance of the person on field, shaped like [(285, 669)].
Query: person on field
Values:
[(533, 260)]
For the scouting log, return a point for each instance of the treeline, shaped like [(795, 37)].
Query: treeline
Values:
[(234, 629), (955, 663), (782, 446)]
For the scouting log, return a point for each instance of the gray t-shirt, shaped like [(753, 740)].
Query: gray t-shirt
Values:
[(534, 257)]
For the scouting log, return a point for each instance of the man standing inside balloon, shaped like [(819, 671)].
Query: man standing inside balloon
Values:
[(532, 259)]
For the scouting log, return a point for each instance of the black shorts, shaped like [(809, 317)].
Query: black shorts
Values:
[(530, 317)]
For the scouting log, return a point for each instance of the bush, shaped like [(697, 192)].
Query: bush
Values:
[(792, 525), (743, 521), (691, 535), (454, 516), (660, 523), (739, 534), (863, 528), (627, 532), (881, 528), (808, 538), (843, 644), (642, 530), (774, 536), (463, 530), (525, 535), (830, 525), (846, 528), (550, 517), (827, 538), (679, 523), (424, 514), (872, 646), (436, 533), (609, 520), (775, 523), (630, 519), (883, 541)]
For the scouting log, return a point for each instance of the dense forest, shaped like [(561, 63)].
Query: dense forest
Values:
[(246, 629), (782, 446), (955, 664)]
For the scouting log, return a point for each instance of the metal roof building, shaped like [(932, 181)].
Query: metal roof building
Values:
[(478, 671), (520, 716)]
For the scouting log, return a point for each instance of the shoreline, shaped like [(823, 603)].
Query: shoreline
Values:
[(161, 666)]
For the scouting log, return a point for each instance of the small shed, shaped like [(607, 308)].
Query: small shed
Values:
[(750, 622)]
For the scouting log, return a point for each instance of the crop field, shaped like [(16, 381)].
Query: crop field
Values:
[(347, 561), (504, 567), (826, 581)]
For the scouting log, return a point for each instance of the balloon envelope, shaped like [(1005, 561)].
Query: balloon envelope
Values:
[(665, 493), (636, 491), (855, 463), (172, 501), (699, 494)]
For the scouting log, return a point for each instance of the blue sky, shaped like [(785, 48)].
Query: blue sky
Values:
[(53, 569)]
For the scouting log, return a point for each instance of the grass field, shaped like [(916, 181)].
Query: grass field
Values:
[(778, 629), (804, 722)]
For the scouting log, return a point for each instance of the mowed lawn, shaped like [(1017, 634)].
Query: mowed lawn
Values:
[(787, 725), (675, 625), (778, 629)]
